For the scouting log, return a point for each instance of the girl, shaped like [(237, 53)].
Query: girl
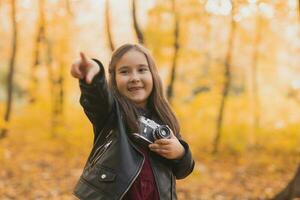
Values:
[(119, 165)]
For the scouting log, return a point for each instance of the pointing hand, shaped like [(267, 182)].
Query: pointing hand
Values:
[(85, 69)]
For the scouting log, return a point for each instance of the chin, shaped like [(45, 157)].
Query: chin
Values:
[(138, 101)]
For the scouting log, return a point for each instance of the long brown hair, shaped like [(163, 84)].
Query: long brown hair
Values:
[(157, 102)]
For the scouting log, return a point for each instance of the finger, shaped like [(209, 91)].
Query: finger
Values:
[(162, 151), (89, 77), (155, 147), (75, 72), (84, 60), (159, 150), (163, 141)]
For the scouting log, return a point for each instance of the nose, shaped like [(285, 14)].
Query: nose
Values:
[(134, 77)]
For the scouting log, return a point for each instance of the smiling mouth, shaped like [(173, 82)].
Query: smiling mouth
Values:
[(132, 89)]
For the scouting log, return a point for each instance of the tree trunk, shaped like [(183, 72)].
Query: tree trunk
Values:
[(206, 67), (61, 83), (49, 61), (208, 57), (68, 8), (136, 26), (292, 190), (108, 28), (57, 77), (9, 102), (255, 103), (170, 88), (40, 37), (227, 81)]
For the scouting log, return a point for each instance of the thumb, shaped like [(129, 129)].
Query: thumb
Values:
[(89, 77), (172, 135)]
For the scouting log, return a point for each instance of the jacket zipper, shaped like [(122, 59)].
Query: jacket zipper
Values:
[(155, 178), (96, 152), (171, 186), (140, 169), (99, 148), (101, 154)]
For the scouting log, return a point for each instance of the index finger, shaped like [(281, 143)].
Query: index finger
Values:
[(83, 58), (162, 141)]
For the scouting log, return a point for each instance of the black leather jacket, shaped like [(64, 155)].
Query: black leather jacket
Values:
[(115, 161)]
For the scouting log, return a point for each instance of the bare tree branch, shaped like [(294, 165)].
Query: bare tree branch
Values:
[(137, 29), (40, 37), (227, 82), (170, 88), (108, 28)]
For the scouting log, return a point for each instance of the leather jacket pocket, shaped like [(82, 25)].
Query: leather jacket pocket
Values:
[(106, 175)]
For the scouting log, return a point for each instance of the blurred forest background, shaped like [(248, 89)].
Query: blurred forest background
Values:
[(231, 70)]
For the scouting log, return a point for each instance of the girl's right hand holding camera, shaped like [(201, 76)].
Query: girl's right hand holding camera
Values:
[(85, 69)]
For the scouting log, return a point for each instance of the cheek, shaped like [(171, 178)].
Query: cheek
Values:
[(121, 83), (150, 83)]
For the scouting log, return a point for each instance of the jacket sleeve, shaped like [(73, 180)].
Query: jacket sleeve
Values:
[(185, 165), (96, 99)]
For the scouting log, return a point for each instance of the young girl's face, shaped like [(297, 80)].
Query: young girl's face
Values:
[(134, 78)]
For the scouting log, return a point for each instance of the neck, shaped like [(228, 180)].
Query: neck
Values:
[(142, 106)]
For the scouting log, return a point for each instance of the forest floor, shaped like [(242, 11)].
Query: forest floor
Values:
[(37, 165)]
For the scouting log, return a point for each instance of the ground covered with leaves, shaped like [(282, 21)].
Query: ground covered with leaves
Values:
[(37, 164)]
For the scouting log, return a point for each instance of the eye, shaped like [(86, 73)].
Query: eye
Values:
[(124, 72), (144, 69)]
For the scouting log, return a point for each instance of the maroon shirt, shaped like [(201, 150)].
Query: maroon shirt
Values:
[(144, 186)]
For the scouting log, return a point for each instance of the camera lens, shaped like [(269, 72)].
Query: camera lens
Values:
[(162, 132)]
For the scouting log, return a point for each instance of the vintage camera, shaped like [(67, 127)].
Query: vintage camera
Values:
[(149, 131)]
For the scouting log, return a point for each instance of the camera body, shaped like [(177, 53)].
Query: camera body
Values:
[(149, 131)]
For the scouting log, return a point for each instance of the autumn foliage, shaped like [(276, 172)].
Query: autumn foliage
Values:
[(230, 70)]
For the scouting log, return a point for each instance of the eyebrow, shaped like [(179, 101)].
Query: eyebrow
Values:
[(123, 67), (143, 65), (126, 67)]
